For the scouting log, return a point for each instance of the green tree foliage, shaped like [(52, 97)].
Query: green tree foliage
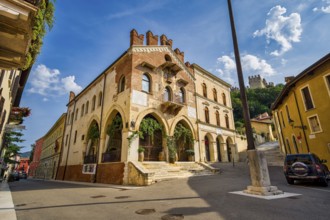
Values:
[(93, 133), (259, 101), (44, 18), (11, 141)]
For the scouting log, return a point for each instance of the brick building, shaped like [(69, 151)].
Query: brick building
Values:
[(147, 83), (36, 158)]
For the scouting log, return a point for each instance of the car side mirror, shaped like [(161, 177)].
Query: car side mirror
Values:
[(323, 161)]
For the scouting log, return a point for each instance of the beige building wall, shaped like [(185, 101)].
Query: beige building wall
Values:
[(221, 137), (51, 150), (8, 87), (265, 128)]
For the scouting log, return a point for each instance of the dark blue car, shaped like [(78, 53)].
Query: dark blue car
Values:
[(305, 167)]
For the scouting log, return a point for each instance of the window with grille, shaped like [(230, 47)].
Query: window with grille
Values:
[(314, 124), (307, 98)]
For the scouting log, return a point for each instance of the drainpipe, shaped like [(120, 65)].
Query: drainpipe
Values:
[(301, 122), (277, 122), (101, 117), (62, 145), (67, 154)]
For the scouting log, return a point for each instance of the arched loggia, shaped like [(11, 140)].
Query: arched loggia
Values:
[(151, 138), (113, 140), (93, 138), (183, 140)]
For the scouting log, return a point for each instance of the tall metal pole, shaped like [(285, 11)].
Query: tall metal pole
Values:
[(246, 113)]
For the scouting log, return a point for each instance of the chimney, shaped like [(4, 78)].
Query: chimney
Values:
[(288, 79), (72, 96), (136, 39), (180, 54), (151, 39), (165, 41), (188, 65)]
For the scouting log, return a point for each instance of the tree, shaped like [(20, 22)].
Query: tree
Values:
[(11, 140), (259, 100), (43, 18)]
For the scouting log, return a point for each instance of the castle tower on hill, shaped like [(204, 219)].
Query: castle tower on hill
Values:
[(259, 82)]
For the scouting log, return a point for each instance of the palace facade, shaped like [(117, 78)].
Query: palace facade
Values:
[(148, 86)]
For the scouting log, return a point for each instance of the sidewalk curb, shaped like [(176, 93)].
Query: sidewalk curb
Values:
[(7, 208)]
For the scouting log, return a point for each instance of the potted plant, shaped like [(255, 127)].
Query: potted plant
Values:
[(190, 153), (141, 153)]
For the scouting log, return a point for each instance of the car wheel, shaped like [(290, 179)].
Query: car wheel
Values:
[(324, 181), (290, 181)]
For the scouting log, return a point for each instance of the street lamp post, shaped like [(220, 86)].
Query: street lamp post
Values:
[(257, 162)]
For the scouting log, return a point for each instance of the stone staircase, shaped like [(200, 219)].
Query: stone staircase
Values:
[(166, 171), (273, 155)]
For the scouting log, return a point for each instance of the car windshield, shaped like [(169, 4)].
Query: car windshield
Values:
[(306, 159)]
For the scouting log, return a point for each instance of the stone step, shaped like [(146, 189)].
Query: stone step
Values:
[(165, 171)]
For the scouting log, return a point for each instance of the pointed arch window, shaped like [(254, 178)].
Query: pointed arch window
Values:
[(87, 106), (217, 117), (146, 83), (182, 96), (121, 86), (77, 111), (93, 102), (224, 99), (227, 120), (207, 115), (100, 99), (82, 110), (215, 95), (167, 94), (204, 90)]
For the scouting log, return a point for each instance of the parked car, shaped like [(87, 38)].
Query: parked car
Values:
[(305, 167), (22, 175), (13, 176)]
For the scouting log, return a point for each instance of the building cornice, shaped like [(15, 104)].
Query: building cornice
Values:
[(308, 71), (210, 75), (162, 48), (214, 102)]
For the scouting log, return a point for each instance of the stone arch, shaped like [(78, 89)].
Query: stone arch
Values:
[(208, 141), (157, 114), (229, 143), (111, 113), (112, 149), (93, 138), (152, 143), (220, 147), (182, 144), (187, 121)]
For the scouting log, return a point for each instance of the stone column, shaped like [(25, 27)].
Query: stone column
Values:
[(259, 175), (129, 153)]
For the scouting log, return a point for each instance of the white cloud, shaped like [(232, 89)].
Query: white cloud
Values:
[(47, 82), (282, 29), (325, 9), (251, 65)]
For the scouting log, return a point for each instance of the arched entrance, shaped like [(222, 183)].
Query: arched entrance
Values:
[(152, 138), (229, 143), (207, 148), (93, 137), (219, 141), (183, 140), (113, 140)]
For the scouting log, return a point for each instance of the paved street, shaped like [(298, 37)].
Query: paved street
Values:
[(195, 198)]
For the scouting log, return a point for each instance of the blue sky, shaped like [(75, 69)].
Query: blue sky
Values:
[(276, 39)]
